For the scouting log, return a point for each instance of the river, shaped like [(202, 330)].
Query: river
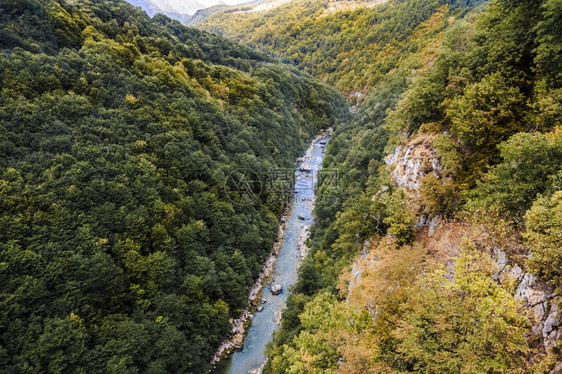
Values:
[(296, 226)]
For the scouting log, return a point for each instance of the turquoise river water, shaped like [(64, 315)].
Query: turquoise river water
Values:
[(251, 357)]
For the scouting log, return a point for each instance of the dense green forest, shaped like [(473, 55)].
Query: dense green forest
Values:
[(119, 249), (480, 83)]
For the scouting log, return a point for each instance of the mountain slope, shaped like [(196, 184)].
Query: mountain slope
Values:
[(156, 7), (441, 254), (205, 13), (120, 250), (148, 6), (347, 44), (185, 8)]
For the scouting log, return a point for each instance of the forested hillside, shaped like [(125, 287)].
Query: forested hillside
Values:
[(444, 254), (349, 44), (404, 40), (438, 251), (119, 249)]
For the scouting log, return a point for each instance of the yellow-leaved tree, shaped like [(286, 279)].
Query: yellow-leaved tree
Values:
[(462, 321)]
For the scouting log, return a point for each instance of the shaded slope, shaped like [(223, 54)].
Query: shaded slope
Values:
[(119, 249)]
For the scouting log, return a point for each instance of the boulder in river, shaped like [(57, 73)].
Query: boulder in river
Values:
[(306, 167), (276, 289), (260, 308)]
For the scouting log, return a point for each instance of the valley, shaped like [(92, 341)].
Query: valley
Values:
[(426, 150), (140, 158), (282, 271)]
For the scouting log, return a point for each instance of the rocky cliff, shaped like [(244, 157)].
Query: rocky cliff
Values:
[(408, 165)]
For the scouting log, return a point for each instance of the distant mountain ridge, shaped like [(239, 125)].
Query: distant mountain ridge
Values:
[(154, 7), (196, 12), (150, 8), (203, 14), (177, 6)]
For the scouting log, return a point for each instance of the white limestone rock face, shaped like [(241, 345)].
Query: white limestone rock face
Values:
[(552, 328), (536, 295), (533, 292), (410, 163), (552, 323), (356, 267), (433, 224)]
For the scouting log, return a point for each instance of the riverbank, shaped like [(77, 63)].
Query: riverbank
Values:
[(299, 221), (236, 339)]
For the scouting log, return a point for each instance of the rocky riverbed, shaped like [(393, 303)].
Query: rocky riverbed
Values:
[(252, 331)]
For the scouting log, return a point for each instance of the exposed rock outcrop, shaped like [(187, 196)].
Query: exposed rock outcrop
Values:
[(410, 163), (538, 297)]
